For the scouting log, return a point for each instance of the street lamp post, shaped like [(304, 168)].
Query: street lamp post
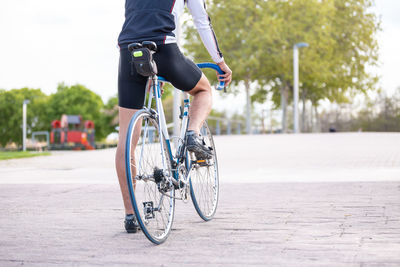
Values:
[(24, 124), (296, 85)]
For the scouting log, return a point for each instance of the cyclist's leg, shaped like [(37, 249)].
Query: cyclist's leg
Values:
[(186, 76), (125, 116), (131, 93), (201, 104)]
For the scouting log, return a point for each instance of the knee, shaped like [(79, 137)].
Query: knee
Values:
[(204, 91), (203, 87)]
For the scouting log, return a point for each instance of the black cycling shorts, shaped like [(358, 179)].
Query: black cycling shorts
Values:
[(171, 64)]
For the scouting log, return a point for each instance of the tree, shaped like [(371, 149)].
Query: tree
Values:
[(43, 109), (342, 42), (257, 42), (11, 113), (109, 116), (381, 115), (238, 32), (79, 100), (353, 29)]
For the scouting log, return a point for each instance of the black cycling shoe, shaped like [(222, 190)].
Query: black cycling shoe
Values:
[(131, 225), (196, 144)]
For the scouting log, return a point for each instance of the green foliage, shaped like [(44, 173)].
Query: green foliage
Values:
[(381, 114), (353, 46), (257, 42), (109, 118), (385, 119), (233, 25), (78, 100), (43, 109), (11, 113), (212, 123)]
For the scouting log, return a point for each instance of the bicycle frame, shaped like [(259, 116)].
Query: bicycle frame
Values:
[(159, 181), (155, 91), (154, 87)]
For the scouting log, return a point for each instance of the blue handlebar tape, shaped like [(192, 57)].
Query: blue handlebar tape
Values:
[(208, 65), (220, 86)]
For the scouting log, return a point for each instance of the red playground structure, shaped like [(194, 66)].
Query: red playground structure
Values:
[(72, 133)]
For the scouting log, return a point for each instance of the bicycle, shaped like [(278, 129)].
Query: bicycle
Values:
[(160, 170)]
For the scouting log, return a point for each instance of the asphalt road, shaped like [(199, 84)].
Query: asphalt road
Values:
[(286, 200)]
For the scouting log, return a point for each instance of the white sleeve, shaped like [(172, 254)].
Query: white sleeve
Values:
[(203, 24)]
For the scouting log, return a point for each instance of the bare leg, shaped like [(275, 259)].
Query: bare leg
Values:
[(125, 116), (201, 104)]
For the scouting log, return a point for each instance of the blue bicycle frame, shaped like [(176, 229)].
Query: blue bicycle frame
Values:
[(185, 116)]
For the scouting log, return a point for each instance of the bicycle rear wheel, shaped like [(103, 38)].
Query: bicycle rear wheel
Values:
[(204, 181), (148, 173)]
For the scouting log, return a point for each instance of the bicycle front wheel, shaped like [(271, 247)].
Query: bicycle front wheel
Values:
[(204, 181), (148, 173)]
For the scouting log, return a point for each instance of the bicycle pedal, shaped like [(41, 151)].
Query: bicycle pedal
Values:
[(148, 208)]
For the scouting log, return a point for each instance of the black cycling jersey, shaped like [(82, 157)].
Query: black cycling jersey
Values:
[(147, 20), (156, 20)]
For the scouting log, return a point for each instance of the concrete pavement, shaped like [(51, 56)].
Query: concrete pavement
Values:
[(286, 200), (269, 158)]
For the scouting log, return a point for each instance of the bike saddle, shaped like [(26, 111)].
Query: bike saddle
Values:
[(150, 45), (133, 46)]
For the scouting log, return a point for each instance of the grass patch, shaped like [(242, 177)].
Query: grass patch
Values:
[(21, 154)]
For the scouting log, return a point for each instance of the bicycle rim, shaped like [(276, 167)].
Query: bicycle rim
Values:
[(153, 202), (204, 182)]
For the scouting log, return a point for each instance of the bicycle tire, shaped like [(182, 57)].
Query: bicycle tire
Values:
[(204, 182), (154, 210)]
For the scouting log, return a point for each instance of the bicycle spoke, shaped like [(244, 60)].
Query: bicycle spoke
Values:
[(204, 183), (154, 209)]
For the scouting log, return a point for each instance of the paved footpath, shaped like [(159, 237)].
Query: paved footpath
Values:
[(286, 200)]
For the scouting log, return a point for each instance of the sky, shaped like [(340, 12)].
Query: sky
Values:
[(45, 42), (389, 42)]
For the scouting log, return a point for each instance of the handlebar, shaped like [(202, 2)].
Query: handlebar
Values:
[(220, 86)]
